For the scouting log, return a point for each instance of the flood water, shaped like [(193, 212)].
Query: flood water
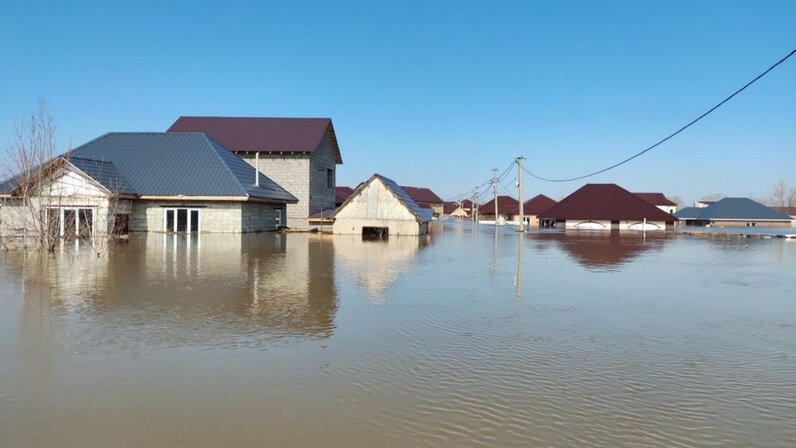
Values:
[(470, 337)]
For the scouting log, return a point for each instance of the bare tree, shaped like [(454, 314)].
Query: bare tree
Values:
[(712, 197), (677, 200), (34, 209), (792, 197), (779, 198)]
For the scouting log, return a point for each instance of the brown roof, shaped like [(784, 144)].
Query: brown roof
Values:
[(506, 205), (655, 198), (263, 134), (791, 211), (341, 194), (450, 207), (420, 194), (605, 202), (536, 205)]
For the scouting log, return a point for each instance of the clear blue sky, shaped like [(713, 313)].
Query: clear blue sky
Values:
[(434, 93)]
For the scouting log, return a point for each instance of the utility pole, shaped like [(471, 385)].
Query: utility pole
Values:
[(474, 206), (519, 187), (494, 191)]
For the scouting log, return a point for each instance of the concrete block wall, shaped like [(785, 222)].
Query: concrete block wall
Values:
[(304, 176), (256, 217), (292, 173)]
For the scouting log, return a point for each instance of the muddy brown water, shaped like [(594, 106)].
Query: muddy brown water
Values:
[(467, 338)]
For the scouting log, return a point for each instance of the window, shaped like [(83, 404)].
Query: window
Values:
[(329, 178), (375, 233), (181, 220), (278, 218), (71, 222)]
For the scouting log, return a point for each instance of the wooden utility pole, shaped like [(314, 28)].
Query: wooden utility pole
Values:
[(519, 187), (494, 191)]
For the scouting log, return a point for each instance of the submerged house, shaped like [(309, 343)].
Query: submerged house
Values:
[(341, 194), (426, 198), (147, 182), (659, 200), (605, 207), (379, 207), (300, 154), (508, 207), (533, 207), (455, 210), (734, 212)]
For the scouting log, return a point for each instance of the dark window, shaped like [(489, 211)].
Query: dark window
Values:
[(86, 221), (375, 233), (121, 224), (194, 220), (70, 223), (182, 219), (330, 178), (169, 220)]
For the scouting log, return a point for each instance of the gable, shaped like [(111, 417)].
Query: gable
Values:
[(68, 182), (374, 201)]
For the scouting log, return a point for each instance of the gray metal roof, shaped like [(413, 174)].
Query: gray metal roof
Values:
[(173, 164), (689, 213), (105, 173), (741, 209), (422, 214)]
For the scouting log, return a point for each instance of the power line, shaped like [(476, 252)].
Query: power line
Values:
[(670, 135)]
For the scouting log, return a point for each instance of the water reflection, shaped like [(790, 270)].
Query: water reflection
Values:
[(376, 265), (188, 290), (603, 250)]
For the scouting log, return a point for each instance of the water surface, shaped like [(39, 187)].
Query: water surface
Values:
[(470, 337)]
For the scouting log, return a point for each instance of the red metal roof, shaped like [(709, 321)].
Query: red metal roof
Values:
[(655, 198), (420, 194), (341, 194), (506, 205), (605, 202), (791, 211), (536, 205), (263, 134)]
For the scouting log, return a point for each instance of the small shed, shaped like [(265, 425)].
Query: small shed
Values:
[(379, 207)]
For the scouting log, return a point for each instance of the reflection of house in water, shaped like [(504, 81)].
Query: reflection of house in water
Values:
[(210, 289), (377, 265), (603, 250)]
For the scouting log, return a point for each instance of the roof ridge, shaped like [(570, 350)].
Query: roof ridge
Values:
[(240, 117), (214, 148)]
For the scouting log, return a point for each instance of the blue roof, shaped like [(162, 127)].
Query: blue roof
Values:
[(173, 164), (740, 209), (422, 214), (105, 173)]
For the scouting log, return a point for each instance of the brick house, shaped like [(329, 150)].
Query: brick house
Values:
[(299, 154), (146, 182)]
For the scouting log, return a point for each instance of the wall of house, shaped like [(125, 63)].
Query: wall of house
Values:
[(740, 223), (292, 173), (215, 217), (587, 224), (670, 209), (303, 176), (321, 195), (69, 189), (376, 206)]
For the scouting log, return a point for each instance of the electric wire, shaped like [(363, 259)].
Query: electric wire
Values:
[(660, 142)]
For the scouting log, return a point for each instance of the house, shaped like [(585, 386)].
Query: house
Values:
[(379, 207), (425, 197), (455, 210), (341, 194), (300, 154), (533, 207), (147, 182), (734, 212), (508, 207), (605, 207), (790, 211), (660, 201)]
